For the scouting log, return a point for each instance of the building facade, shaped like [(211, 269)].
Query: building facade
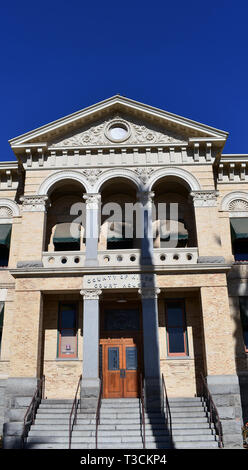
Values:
[(82, 292)]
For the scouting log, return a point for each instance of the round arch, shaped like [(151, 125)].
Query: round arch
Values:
[(240, 196), (9, 208), (116, 173), (180, 173), (51, 180)]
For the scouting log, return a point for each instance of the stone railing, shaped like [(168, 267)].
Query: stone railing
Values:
[(121, 258), (68, 259)]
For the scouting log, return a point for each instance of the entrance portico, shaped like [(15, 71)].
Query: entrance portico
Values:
[(127, 335)]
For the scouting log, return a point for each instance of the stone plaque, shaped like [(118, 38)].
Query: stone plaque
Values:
[(119, 281)]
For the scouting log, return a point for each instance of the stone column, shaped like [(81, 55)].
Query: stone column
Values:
[(152, 374), (90, 381), (222, 378), (93, 202), (145, 198)]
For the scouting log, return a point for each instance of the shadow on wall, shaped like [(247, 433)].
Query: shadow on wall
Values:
[(153, 389)]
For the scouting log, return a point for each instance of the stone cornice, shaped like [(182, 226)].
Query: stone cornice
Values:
[(65, 272)]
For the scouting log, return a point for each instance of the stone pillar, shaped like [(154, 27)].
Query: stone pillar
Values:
[(207, 226), (25, 360), (90, 380), (220, 362), (152, 374), (145, 198), (92, 228), (33, 230)]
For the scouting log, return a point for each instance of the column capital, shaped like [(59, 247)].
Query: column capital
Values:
[(91, 294), (149, 292), (92, 200), (145, 197), (205, 197), (34, 203)]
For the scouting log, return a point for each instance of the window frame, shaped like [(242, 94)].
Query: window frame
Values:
[(185, 353), (59, 354)]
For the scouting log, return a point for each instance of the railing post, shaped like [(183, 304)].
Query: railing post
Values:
[(73, 409)]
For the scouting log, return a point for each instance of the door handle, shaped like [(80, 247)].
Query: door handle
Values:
[(122, 373)]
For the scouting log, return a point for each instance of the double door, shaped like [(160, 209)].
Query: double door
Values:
[(120, 360)]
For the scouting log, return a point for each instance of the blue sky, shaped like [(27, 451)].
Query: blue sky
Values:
[(189, 58)]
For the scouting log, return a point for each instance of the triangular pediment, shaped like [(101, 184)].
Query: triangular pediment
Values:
[(89, 127), (131, 132)]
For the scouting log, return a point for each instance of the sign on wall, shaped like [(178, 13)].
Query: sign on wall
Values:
[(119, 281)]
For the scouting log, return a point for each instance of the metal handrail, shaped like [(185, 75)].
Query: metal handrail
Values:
[(213, 415), (143, 410), (31, 411), (98, 410), (168, 411), (74, 411)]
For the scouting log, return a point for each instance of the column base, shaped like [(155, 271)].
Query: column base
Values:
[(19, 392), (153, 393), (225, 391), (89, 394)]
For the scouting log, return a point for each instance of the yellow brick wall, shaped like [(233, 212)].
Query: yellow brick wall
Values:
[(61, 374)]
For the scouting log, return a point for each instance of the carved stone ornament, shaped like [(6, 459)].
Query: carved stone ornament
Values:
[(92, 175), (5, 212), (34, 203), (144, 173), (238, 205), (138, 133), (91, 294), (205, 198)]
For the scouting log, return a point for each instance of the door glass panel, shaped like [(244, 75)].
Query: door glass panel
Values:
[(113, 358), (100, 360), (131, 358)]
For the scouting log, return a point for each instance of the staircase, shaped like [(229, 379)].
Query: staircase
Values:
[(120, 426)]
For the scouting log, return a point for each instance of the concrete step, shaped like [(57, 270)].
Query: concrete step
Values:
[(125, 422), (45, 412), (91, 439), (54, 445)]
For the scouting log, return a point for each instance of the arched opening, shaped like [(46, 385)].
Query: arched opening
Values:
[(118, 215), (65, 230), (173, 214)]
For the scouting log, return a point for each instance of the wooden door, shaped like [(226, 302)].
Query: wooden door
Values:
[(120, 367)]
